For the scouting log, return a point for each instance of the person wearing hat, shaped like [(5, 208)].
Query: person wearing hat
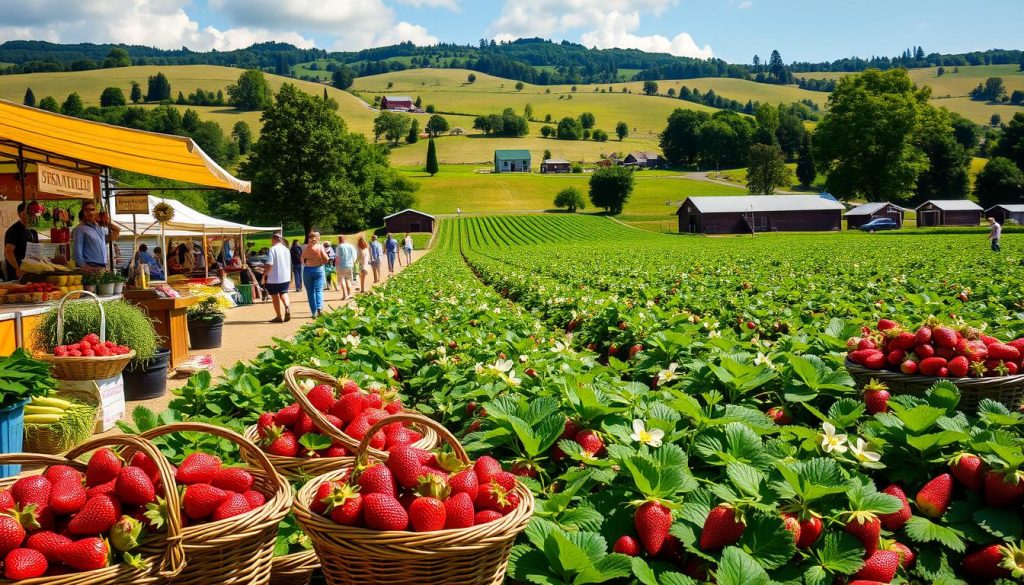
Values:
[(277, 276)]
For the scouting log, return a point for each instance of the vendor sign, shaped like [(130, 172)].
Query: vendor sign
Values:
[(64, 182), (132, 202)]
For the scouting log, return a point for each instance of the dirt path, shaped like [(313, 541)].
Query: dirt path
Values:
[(704, 176)]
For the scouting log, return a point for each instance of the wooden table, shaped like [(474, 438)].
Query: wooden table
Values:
[(170, 321)]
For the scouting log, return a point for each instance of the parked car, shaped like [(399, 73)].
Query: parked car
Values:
[(880, 223)]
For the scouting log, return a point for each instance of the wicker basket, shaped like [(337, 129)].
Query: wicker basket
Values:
[(297, 467), (294, 569), (52, 439), (1008, 390), (238, 550), (162, 554), (350, 555), (84, 368)]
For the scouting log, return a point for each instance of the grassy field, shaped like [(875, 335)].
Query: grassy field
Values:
[(950, 90), (321, 72), (740, 90)]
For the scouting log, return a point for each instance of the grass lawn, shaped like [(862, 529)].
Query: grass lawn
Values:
[(740, 90)]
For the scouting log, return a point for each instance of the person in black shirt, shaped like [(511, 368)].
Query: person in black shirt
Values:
[(16, 242), (296, 251)]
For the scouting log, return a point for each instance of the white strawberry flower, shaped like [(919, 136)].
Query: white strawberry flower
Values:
[(640, 434), (559, 347), (478, 368), (763, 360), (511, 379), (352, 340), (523, 358), (375, 387), (861, 451), (502, 366), (667, 375), (832, 442), (714, 334), (307, 385)]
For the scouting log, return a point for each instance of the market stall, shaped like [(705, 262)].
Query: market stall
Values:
[(50, 157)]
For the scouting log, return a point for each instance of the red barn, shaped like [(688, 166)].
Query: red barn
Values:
[(748, 214), (862, 214), (941, 212), (409, 220), (396, 103)]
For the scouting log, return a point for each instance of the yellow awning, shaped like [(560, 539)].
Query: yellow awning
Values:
[(89, 146)]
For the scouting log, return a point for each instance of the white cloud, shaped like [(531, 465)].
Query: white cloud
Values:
[(404, 31), (452, 5), (745, 4), (601, 28)]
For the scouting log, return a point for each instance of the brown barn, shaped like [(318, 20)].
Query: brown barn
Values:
[(747, 214), (954, 212), (642, 160), (1006, 212), (396, 103), (862, 214), (409, 220), (554, 165)]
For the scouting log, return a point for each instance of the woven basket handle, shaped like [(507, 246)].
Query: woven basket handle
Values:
[(37, 459), (173, 560), (257, 454), (60, 315), (291, 378), (419, 419)]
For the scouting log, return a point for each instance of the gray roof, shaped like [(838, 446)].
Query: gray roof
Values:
[(1011, 207), (556, 161), (398, 98), (412, 210), (644, 155), (761, 203), (952, 205), (869, 208)]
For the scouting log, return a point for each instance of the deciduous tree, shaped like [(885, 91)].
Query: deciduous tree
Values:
[(343, 77), (680, 139), (391, 125), (49, 104), (251, 92), (622, 130), (112, 96), (570, 198), (243, 136), (73, 105), (650, 87), (1000, 181), (587, 120), (569, 129), (610, 188), (437, 125), (117, 57), (1011, 143), (767, 170)]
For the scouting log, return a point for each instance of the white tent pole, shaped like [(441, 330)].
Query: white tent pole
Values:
[(206, 265), (163, 250)]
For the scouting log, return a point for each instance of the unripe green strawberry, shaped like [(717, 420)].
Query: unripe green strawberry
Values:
[(933, 499), (126, 535)]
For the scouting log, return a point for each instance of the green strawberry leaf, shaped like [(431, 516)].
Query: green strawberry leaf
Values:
[(864, 497), (1000, 524), (944, 395), (531, 565), (921, 529), (643, 572), (745, 478), (739, 568), (676, 579), (840, 553), (767, 541), (315, 441), (845, 412), (610, 567), (920, 418)]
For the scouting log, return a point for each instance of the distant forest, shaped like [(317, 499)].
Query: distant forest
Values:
[(536, 61)]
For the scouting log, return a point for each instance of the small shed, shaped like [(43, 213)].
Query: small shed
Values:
[(512, 161), (643, 160), (747, 214), (948, 212), (862, 214), (396, 103), (456, 131), (555, 165), (409, 220), (1006, 212)]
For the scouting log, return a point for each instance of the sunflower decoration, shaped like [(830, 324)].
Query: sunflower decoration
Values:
[(163, 212)]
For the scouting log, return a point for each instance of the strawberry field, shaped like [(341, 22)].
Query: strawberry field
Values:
[(680, 406)]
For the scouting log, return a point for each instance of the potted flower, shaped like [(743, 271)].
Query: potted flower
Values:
[(206, 318), (105, 284)]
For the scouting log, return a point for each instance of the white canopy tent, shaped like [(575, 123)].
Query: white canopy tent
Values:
[(186, 222)]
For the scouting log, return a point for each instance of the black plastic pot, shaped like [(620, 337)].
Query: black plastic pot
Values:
[(205, 333), (144, 379)]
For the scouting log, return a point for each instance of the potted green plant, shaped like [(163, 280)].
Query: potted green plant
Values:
[(105, 284), (118, 279), (21, 378), (89, 281), (206, 318)]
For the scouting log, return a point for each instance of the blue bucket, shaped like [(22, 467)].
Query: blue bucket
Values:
[(12, 432)]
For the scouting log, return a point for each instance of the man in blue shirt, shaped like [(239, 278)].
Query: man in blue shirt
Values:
[(91, 238), (391, 247), (346, 258), (376, 252), (144, 257)]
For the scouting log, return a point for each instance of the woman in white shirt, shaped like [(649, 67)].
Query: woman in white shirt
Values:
[(407, 248)]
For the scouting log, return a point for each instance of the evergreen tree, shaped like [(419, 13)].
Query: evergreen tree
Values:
[(136, 93), (776, 68), (805, 171), (73, 106), (30, 98), (243, 136), (159, 88), (181, 101), (432, 166), (757, 64), (414, 132)]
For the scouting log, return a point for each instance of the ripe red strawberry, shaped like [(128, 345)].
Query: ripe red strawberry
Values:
[(95, 517), (896, 520), (255, 499), (458, 511), (867, 528), (6, 500), (505, 479), (591, 442), (909, 367), (103, 489), (779, 415), (323, 498), (958, 366), (103, 467), (924, 351), (792, 523), (810, 531), (887, 324), (485, 516), (931, 366), (995, 562), (133, 487), (67, 497), (907, 555), (12, 534), (635, 349), (24, 563), (34, 489), (895, 357), (377, 479), (721, 528), (348, 407), (382, 511), (404, 463), (334, 451), (866, 344), (233, 505), (879, 566), (196, 468), (233, 479), (494, 497), (322, 397), (265, 421), (904, 340), (875, 360), (857, 356), (282, 444), (652, 522), (876, 397), (288, 416), (49, 543), (87, 554), (427, 514), (349, 386), (54, 473), (943, 336), (200, 500), (1002, 351), (485, 468), (466, 482), (969, 470), (627, 545), (1003, 489), (933, 499), (372, 400)]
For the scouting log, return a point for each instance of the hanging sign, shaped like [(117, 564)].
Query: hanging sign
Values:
[(64, 182), (132, 202)]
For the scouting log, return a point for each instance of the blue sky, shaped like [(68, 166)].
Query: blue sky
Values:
[(735, 30)]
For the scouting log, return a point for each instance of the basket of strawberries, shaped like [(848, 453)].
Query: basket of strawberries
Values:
[(418, 515), (230, 514), (76, 523), (911, 360), (322, 428), (92, 357)]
